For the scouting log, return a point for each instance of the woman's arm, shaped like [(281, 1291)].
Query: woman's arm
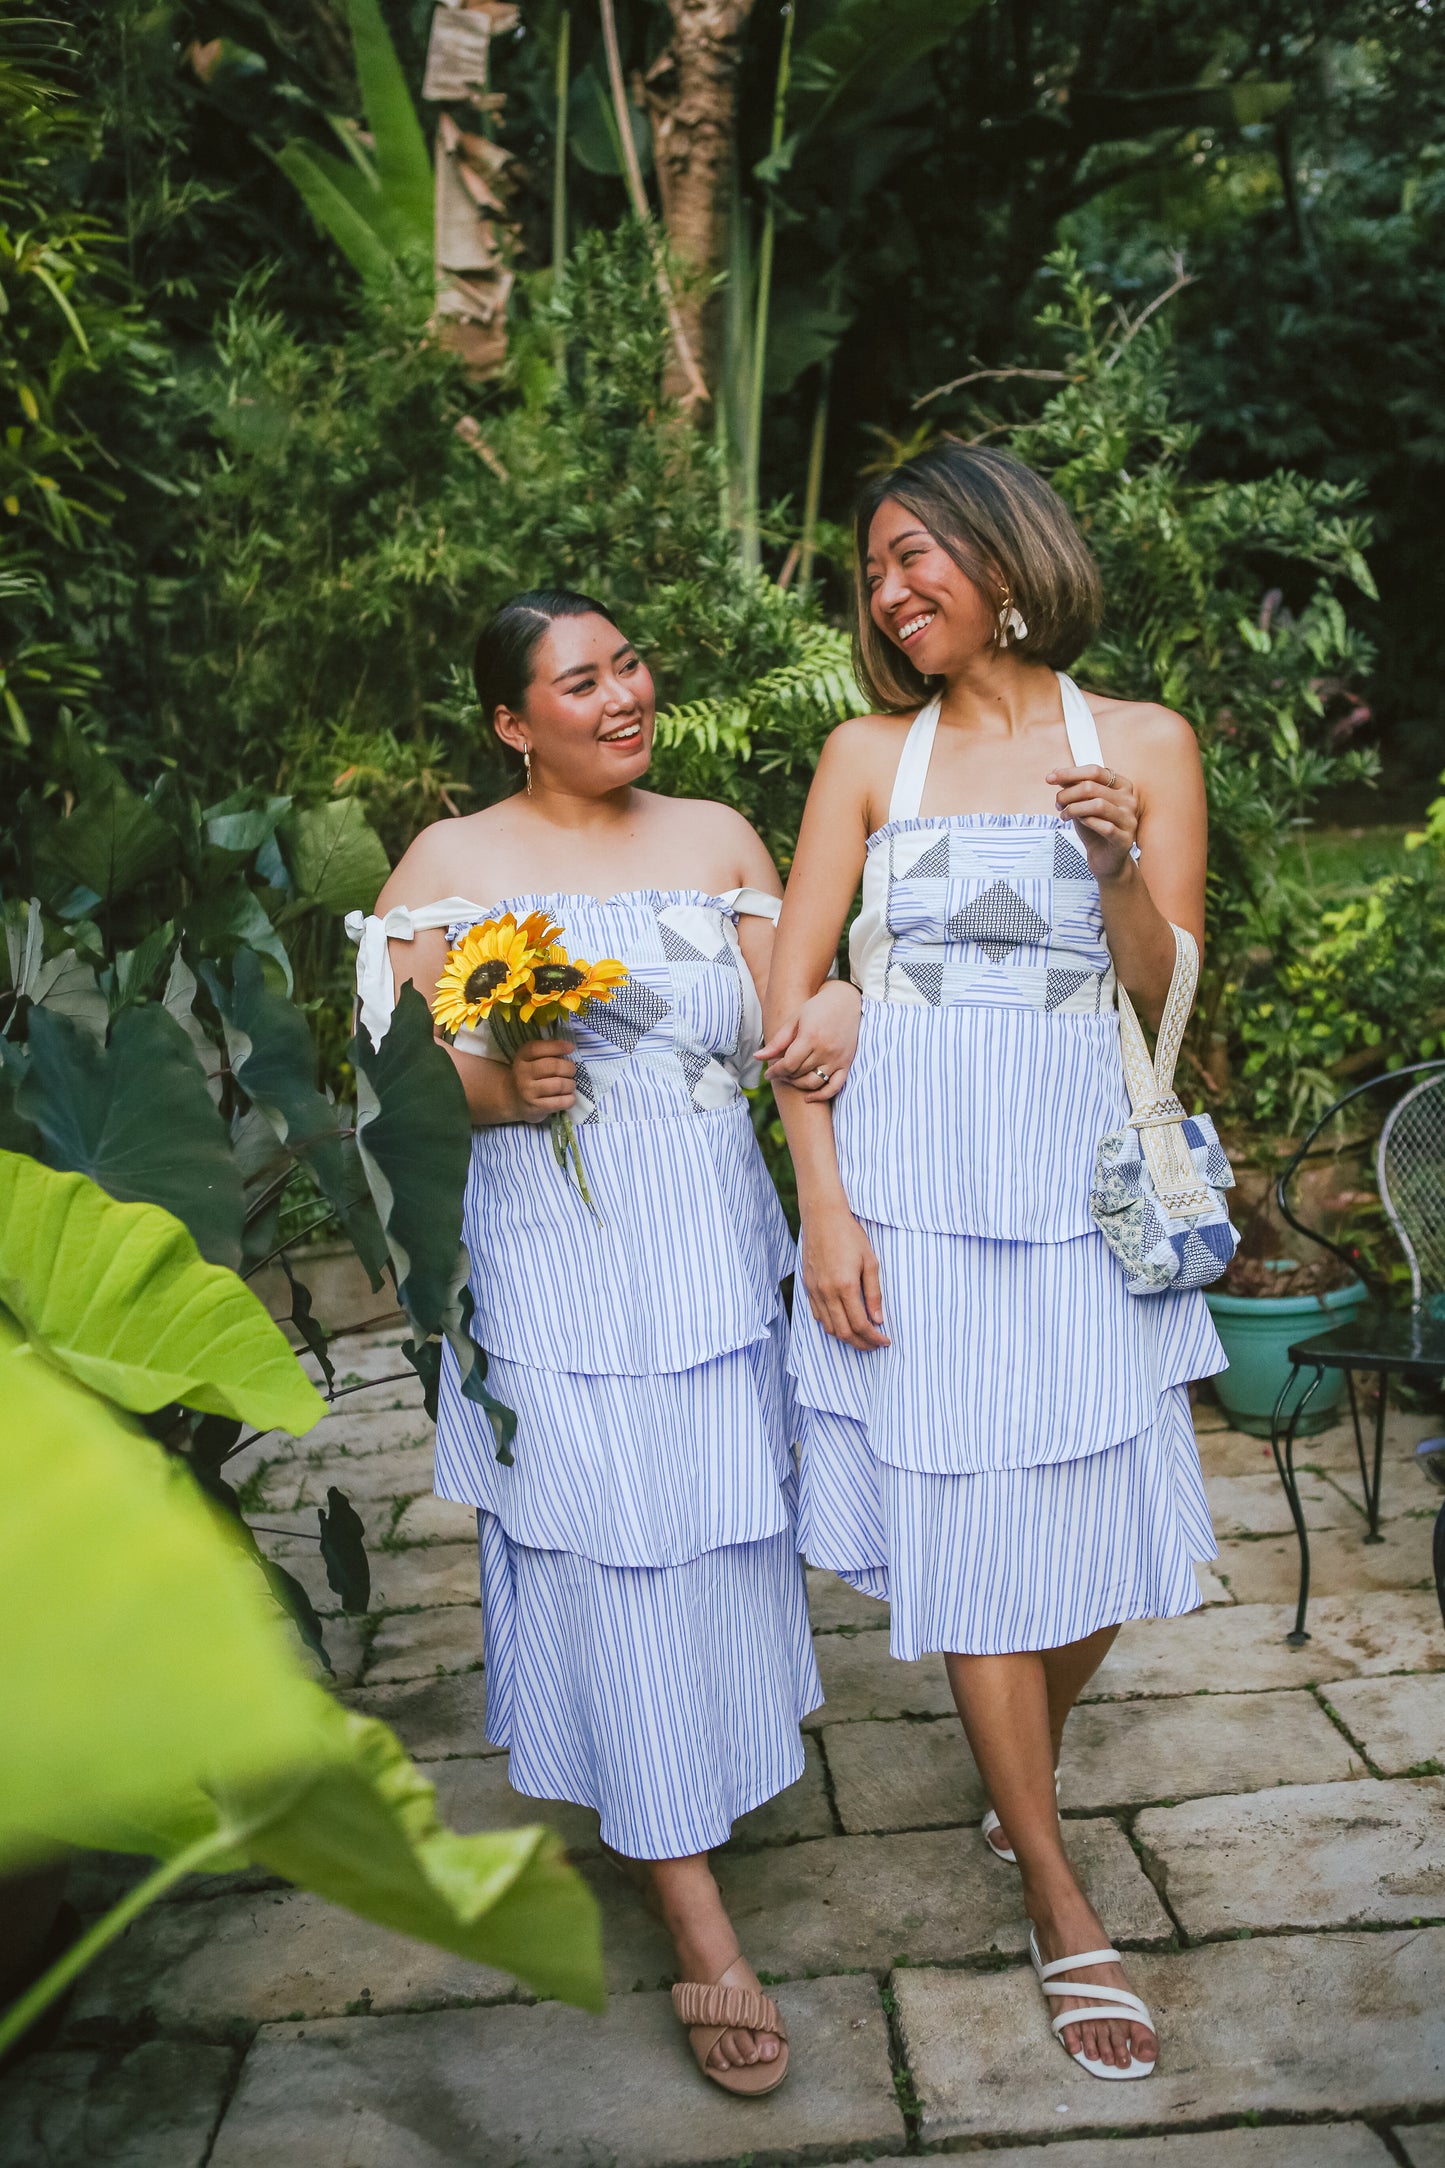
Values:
[(839, 1270), (826, 1033), (1163, 810), (542, 1079)]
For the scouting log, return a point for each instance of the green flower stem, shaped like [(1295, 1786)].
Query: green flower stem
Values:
[(571, 1147), (21, 2015)]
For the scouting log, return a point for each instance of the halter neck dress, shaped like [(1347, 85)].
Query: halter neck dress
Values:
[(644, 1616), (1018, 1467)]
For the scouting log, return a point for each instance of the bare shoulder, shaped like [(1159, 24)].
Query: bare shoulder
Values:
[(865, 737), (710, 817), (439, 861), (1143, 735), (863, 751), (725, 845)]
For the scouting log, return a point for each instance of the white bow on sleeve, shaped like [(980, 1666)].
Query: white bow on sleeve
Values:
[(375, 986)]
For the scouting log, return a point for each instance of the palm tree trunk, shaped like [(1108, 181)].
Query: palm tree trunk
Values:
[(693, 106), (690, 385)]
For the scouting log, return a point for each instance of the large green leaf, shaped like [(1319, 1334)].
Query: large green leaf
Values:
[(117, 1295), (337, 859), (233, 917), (140, 1647), (414, 1132), (137, 1118), (146, 1704), (273, 1058), (403, 163), (364, 1832), (66, 985), (862, 48), (415, 1136), (1108, 116), (112, 841), (805, 330), (238, 824), (343, 1551), (355, 235), (16, 1134)]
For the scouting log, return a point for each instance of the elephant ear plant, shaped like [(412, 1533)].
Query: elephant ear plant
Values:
[(148, 1697), (155, 1036)]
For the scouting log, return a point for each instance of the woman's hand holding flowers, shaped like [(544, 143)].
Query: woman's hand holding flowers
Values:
[(519, 982), (815, 1052), (1104, 807), (544, 1078)]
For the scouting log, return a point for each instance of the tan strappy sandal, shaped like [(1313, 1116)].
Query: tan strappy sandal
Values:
[(708, 2011)]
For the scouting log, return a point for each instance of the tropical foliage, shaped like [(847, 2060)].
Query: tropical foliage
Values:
[(1362, 989), (125, 1594), (258, 489)]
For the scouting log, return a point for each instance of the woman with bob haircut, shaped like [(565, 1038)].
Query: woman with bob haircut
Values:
[(643, 1608), (996, 1436)]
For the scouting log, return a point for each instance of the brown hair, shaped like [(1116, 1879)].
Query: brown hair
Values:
[(1005, 528)]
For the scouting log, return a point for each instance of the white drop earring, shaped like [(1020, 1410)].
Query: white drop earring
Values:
[(527, 764), (1011, 625)]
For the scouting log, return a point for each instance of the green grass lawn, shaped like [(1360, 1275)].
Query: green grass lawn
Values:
[(1341, 862)]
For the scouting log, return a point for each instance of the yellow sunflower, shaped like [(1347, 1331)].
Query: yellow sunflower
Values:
[(560, 981), (540, 930), (490, 965)]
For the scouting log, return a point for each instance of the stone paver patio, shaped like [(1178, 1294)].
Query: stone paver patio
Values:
[(1262, 1827)]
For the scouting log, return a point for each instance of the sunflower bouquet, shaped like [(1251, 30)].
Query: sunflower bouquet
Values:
[(517, 979)]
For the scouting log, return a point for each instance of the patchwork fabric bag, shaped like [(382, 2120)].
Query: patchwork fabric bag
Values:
[(1158, 1196)]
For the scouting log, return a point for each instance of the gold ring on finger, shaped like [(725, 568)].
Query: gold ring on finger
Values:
[(1113, 779)]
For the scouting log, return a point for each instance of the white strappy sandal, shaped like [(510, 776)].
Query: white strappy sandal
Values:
[(1108, 2002), (991, 1822)]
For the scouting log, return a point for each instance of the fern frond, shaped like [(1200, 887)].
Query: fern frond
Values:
[(808, 693)]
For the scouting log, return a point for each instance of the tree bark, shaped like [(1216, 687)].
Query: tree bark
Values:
[(692, 100)]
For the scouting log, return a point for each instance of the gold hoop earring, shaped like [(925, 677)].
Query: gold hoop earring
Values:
[(527, 764)]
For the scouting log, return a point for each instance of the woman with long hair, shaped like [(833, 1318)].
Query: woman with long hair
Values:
[(644, 1618), (996, 1434)]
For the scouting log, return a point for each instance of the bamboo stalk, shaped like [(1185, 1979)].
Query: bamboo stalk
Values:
[(697, 388), (813, 488), (559, 154), (753, 442)]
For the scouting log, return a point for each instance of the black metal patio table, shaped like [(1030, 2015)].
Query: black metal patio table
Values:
[(1402, 1343), (1389, 1343)]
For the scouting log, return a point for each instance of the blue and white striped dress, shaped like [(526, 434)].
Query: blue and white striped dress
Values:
[(1018, 1467), (644, 1615)]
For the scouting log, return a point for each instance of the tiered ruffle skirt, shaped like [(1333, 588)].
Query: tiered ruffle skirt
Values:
[(644, 1614), (1017, 1468)]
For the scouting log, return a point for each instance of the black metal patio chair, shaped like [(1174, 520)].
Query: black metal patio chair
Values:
[(1390, 1341)]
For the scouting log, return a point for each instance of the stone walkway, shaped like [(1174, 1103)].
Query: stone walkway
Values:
[(1261, 1827)]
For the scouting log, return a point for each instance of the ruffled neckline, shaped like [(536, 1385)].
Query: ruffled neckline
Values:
[(967, 820), (534, 898)]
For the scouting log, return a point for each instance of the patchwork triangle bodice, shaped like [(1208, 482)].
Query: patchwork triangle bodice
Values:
[(984, 909)]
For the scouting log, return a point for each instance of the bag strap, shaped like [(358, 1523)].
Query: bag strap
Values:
[(1158, 1112)]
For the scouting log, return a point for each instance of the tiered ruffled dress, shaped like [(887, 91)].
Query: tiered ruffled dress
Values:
[(644, 1615), (1018, 1467)]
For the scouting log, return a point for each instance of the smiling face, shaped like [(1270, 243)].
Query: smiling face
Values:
[(590, 708), (921, 600)]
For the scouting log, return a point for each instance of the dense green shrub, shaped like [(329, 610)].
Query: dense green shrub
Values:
[(1361, 989), (81, 375), (366, 506)]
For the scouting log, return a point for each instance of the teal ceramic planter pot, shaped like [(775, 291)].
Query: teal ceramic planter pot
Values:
[(1257, 1331)]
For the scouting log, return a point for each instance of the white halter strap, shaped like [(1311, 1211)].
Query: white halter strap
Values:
[(917, 752)]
